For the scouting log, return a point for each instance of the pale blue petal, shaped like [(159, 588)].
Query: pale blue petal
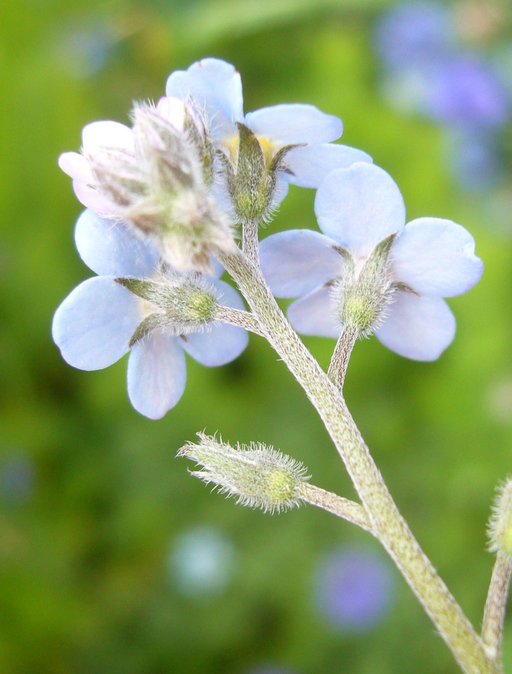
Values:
[(359, 207), (315, 314), (418, 327), (156, 374), (298, 261), (436, 257), (93, 325), (310, 164), (222, 343), (216, 88), (281, 189), (294, 123), (109, 248)]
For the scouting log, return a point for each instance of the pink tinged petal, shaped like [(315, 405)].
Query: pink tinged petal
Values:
[(359, 207), (172, 110), (418, 327), (93, 325), (216, 87), (156, 374), (91, 198), (298, 261), (106, 134), (310, 164), (294, 123), (109, 248), (315, 314), (76, 166), (436, 257), (222, 343)]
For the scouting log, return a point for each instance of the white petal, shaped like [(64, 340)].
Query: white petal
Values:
[(109, 248), (156, 374), (172, 110), (294, 123), (436, 257), (76, 166), (418, 327), (216, 88), (310, 164), (106, 134), (222, 343), (315, 314), (91, 198), (297, 261), (93, 325), (359, 207)]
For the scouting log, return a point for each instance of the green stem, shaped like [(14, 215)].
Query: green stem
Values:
[(250, 241), (495, 606), (337, 505), (341, 356), (387, 523)]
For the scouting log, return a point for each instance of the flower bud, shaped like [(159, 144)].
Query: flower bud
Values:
[(499, 529), (157, 176), (252, 174), (258, 476)]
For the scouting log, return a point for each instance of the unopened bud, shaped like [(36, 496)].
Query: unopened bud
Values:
[(499, 529), (252, 174), (258, 476)]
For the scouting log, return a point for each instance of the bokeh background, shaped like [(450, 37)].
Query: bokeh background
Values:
[(112, 558)]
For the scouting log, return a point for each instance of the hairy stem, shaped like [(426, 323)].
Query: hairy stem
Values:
[(242, 319), (495, 605), (341, 356), (337, 505), (387, 523), (250, 242)]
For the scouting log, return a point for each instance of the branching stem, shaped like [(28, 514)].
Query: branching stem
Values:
[(387, 523)]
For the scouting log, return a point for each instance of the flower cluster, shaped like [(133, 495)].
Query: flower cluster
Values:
[(163, 198), (369, 271), (137, 304), (429, 70)]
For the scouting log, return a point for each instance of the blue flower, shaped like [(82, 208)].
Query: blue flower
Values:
[(96, 323), (353, 589), (215, 87), (430, 258)]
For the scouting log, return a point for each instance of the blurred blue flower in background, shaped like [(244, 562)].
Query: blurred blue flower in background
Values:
[(201, 562), (353, 589), (17, 478), (411, 33), (428, 70)]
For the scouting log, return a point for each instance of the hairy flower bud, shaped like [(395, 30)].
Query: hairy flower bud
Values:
[(258, 476), (500, 524), (251, 172), (156, 176)]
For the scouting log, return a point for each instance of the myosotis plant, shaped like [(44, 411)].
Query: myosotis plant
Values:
[(167, 200)]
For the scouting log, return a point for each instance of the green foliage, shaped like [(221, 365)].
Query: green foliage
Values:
[(85, 585)]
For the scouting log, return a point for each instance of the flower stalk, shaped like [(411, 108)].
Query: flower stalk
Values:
[(386, 521)]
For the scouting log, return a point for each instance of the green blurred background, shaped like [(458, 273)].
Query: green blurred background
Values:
[(93, 503)]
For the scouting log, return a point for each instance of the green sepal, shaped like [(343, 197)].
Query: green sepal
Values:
[(150, 323)]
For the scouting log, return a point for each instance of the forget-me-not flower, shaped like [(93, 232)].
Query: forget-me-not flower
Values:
[(369, 261), (296, 138), (101, 319)]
